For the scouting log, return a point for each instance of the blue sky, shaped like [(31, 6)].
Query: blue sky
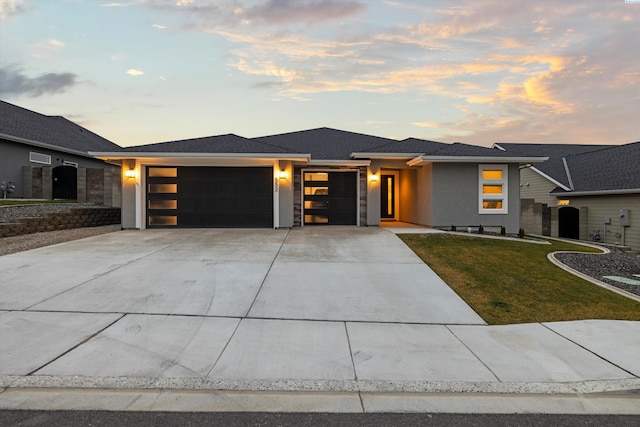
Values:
[(475, 71)]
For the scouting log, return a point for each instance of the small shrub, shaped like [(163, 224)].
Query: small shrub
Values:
[(453, 228), (480, 229), (503, 231), (521, 233)]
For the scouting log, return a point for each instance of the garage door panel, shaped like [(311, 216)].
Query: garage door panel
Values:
[(219, 197)]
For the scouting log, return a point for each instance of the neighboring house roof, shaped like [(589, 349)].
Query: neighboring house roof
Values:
[(228, 143), (579, 168), (615, 169), (28, 127), (554, 168)]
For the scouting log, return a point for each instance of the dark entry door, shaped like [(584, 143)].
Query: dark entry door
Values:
[(569, 223), (65, 182), (331, 198), (387, 197)]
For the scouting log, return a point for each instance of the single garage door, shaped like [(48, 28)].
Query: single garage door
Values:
[(330, 198), (213, 197)]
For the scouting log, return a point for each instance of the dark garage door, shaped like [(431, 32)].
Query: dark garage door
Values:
[(331, 198), (209, 197)]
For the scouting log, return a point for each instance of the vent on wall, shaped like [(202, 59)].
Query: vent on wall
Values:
[(40, 158), (66, 163)]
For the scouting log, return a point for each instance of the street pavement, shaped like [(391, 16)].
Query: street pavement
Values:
[(325, 319)]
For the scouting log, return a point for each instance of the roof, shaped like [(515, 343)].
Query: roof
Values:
[(609, 169), (228, 143), (325, 143), (26, 126), (320, 145), (585, 168)]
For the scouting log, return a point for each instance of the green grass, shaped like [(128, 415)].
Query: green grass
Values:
[(513, 282), (7, 202)]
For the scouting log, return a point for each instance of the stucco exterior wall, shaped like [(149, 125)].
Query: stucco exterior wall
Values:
[(416, 195), (16, 155), (285, 189), (600, 207), (408, 184), (455, 198)]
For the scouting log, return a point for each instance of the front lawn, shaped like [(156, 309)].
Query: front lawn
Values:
[(513, 282)]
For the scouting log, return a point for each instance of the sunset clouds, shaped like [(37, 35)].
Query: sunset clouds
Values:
[(477, 71)]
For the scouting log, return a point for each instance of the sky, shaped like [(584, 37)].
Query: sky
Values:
[(473, 71)]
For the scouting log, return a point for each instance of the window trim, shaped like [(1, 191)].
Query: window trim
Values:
[(504, 182)]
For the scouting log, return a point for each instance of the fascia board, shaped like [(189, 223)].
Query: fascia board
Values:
[(474, 159), (387, 156), (115, 155), (340, 162), (547, 177), (596, 192), (44, 145)]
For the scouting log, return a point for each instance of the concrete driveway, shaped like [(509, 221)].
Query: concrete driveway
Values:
[(326, 308), (345, 273)]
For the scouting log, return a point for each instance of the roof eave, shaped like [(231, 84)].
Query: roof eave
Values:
[(44, 145), (386, 156), (328, 162), (473, 159), (118, 155), (597, 192)]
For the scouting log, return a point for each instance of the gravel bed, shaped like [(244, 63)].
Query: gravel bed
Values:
[(11, 245), (13, 213), (615, 263)]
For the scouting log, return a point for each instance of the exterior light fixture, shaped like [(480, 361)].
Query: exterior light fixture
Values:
[(282, 174), (373, 178), (130, 173)]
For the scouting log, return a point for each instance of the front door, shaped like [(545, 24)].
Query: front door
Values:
[(388, 197)]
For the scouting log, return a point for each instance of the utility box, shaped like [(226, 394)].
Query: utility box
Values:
[(607, 220), (624, 218)]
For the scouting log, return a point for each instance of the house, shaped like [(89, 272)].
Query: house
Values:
[(46, 157), (587, 192), (317, 176)]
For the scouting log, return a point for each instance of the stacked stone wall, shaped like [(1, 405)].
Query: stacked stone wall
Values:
[(74, 218)]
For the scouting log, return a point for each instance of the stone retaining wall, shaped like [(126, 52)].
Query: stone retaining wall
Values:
[(74, 218)]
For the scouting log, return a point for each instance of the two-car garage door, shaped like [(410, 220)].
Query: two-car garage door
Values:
[(209, 197)]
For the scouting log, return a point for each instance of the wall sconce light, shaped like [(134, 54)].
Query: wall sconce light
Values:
[(282, 174), (373, 178), (130, 173)]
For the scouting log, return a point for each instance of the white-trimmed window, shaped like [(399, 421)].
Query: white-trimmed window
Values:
[(493, 189), (34, 157)]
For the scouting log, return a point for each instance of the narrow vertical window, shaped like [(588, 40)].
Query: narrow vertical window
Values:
[(493, 189)]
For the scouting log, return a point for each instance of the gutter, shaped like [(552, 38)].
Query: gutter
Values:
[(164, 155), (474, 159), (597, 192), (45, 145), (385, 156)]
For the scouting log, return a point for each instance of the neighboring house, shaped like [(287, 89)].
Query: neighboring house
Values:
[(317, 176), (587, 192), (46, 157)]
